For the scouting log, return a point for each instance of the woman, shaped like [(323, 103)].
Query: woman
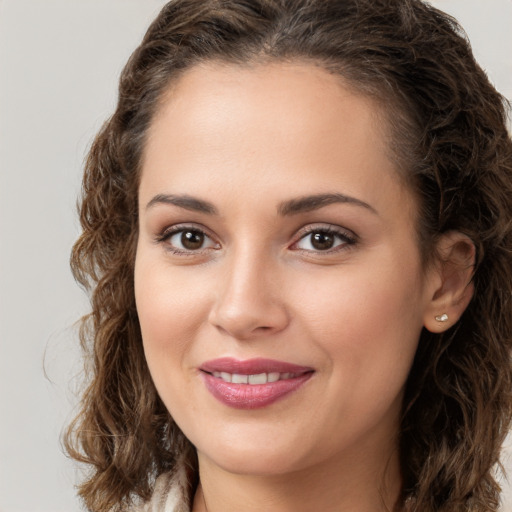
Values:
[(297, 233)]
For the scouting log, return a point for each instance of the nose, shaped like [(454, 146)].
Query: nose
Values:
[(249, 302)]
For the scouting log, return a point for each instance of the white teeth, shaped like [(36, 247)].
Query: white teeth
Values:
[(260, 378), (273, 377), (236, 378), (225, 376)]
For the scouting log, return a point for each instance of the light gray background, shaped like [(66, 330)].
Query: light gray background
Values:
[(59, 63)]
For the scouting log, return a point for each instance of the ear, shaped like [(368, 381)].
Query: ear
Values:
[(452, 287)]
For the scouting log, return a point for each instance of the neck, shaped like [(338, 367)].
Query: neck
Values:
[(349, 485)]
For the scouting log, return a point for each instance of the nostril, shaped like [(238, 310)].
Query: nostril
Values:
[(248, 314)]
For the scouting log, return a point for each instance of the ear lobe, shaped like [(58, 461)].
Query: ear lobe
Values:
[(453, 288)]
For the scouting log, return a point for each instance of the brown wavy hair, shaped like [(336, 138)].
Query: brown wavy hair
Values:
[(449, 137)]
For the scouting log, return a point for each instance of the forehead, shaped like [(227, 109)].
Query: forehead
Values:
[(288, 125), (217, 92)]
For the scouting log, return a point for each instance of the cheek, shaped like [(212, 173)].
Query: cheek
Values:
[(366, 299), (171, 309), (367, 323)]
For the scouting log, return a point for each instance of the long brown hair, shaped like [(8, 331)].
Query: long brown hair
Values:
[(451, 145)]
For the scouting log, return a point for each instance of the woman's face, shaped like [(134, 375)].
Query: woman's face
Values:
[(278, 279)]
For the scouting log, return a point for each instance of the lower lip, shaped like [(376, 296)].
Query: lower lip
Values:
[(252, 396)]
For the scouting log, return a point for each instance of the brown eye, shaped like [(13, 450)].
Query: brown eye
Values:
[(192, 240), (322, 241), (326, 240), (188, 240)]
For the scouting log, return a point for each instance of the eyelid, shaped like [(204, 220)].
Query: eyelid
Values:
[(349, 237), (164, 235)]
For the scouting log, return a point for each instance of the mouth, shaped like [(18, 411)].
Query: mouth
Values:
[(254, 379), (253, 383)]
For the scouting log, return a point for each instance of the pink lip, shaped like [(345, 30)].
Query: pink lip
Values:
[(252, 396)]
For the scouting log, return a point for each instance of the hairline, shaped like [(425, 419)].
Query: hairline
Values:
[(391, 116)]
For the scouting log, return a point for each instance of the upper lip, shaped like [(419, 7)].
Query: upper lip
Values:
[(252, 366)]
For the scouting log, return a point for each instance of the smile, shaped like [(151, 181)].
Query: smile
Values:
[(259, 378), (252, 384)]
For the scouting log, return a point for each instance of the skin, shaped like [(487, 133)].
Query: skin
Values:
[(247, 140)]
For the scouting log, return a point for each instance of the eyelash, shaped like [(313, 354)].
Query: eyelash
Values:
[(168, 233), (346, 237)]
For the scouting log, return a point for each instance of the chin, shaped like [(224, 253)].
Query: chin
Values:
[(254, 458), (256, 463)]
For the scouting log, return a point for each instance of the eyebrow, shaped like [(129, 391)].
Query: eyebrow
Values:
[(291, 207), (184, 201), (315, 202)]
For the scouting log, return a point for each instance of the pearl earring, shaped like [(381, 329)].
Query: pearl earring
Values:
[(442, 318)]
